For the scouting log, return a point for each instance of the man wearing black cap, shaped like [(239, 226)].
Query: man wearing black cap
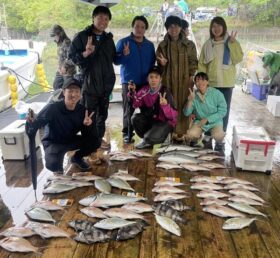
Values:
[(62, 121), (93, 50), (63, 46)]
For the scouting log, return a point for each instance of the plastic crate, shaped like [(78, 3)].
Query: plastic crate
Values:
[(259, 91)]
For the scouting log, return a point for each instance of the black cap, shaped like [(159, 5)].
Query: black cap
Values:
[(156, 69), (71, 81), (56, 30), (172, 20), (185, 24)]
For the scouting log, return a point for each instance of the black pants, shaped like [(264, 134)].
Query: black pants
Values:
[(100, 106), (58, 81), (86, 144), (227, 92), (152, 131), (128, 111)]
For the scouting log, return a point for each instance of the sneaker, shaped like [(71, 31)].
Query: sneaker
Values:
[(220, 147), (143, 145), (127, 140), (80, 163)]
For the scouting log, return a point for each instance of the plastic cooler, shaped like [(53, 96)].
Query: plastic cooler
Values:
[(259, 91), (14, 141), (252, 149)]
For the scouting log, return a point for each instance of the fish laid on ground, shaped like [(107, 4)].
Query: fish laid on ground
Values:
[(122, 157), (93, 212), (246, 194), (17, 232), (166, 165), (119, 183), (241, 186), (130, 231), (93, 236), (212, 165), (47, 205), (205, 179), (113, 223), (245, 200), (47, 230), (141, 154), (206, 186), (210, 157), (178, 159), (167, 188), (222, 211), (211, 194), (186, 153), (17, 244), (206, 151), (125, 176), (246, 208), (86, 177), (174, 147), (210, 201), (81, 225), (59, 177), (122, 213), (169, 196), (116, 153), (168, 224), (107, 200), (138, 207), (237, 223), (103, 186), (167, 211), (58, 188), (75, 183), (193, 167), (177, 205), (231, 180), (39, 214), (168, 182)]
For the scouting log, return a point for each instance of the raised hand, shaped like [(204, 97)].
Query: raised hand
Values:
[(87, 119), (89, 47), (162, 60), (191, 95), (162, 99), (126, 50), (131, 86), (232, 36)]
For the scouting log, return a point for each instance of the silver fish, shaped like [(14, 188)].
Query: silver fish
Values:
[(237, 223), (122, 157), (81, 225), (167, 211), (107, 200), (130, 231), (113, 223), (138, 207), (39, 214), (175, 147), (47, 205), (168, 182), (206, 186), (178, 159), (246, 208), (119, 183), (205, 179), (193, 167), (241, 186), (93, 236), (212, 165), (231, 180), (86, 177), (122, 213), (168, 196), (74, 183), (141, 154), (186, 153), (168, 224), (18, 232), (245, 200), (166, 165), (17, 244), (211, 194), (210, 157), (93, 212), (59, 177), (167, 188), (177, 205), (125, 176), (58, 188), (210, 201), (102, 185), (47, 230), (246, 194), (222, 211), (206, 151)]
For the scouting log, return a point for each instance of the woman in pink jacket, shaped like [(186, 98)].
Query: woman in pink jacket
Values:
[(158, 115)]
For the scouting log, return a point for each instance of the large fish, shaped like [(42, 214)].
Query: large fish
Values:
[(122, 157), (168, 196), (210, 201), (167, 188), (222, 211), (130, 231), (231, 180), (177, 205), (18, 232), (140, 154), (193, 167), (17, 244), (241, 186), (93, 212), (168, 224), (59, 177), (125, 176), (167, 211), (103, 186), (138, 207), (39, 214), (94, 235), (46, 205), (210, 157), (86, 177), (245, 200), (75, 183), (122, 213), (186, 153), (47, 230), (212, 165), (113, 223), (246, 194), (211, 194), (246, 208), (237, 223), (168, 182), (178, 159), (205, 179), (206, 151), (119, 183), (206, 186), (175, 148), (58, 188), (166, 165), (81, 225), (107, 200)]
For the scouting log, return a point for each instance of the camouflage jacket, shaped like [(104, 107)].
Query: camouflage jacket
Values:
[(62, 51)]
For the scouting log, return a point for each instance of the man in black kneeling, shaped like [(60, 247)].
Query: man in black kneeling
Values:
[(63, 121)]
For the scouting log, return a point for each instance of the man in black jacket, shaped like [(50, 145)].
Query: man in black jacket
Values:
[(93, 50)]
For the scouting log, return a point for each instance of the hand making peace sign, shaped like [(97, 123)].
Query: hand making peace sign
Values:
[(232, 36), (162, 60), (88, 120), (191, 95), (162, 99), (89, 47), (126, 50)]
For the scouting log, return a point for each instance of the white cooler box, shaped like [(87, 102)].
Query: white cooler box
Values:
[(252, 149), (14, 141)]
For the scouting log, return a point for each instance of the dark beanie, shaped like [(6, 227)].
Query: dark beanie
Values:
[(172, 20)]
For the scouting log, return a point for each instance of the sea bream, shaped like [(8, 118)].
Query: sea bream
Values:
[(18, 244), (122, 213), (130, 231), (168, 224), (95, 235), (241, 186), (103, 186), (166, 165), (211, 201), (113, 223), (17, 232), (167, 211), (211, 194), (39, 214), (245, 200), (246, 194), (246, 208), (167, 188), (138, 207), (47, 205), (93, 212), (81, 225), (206, 186), (193, 167), (237, 223), (125, 176), (177, 205), (222, 211), (119, 183), (47, 230), (169, 196)]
